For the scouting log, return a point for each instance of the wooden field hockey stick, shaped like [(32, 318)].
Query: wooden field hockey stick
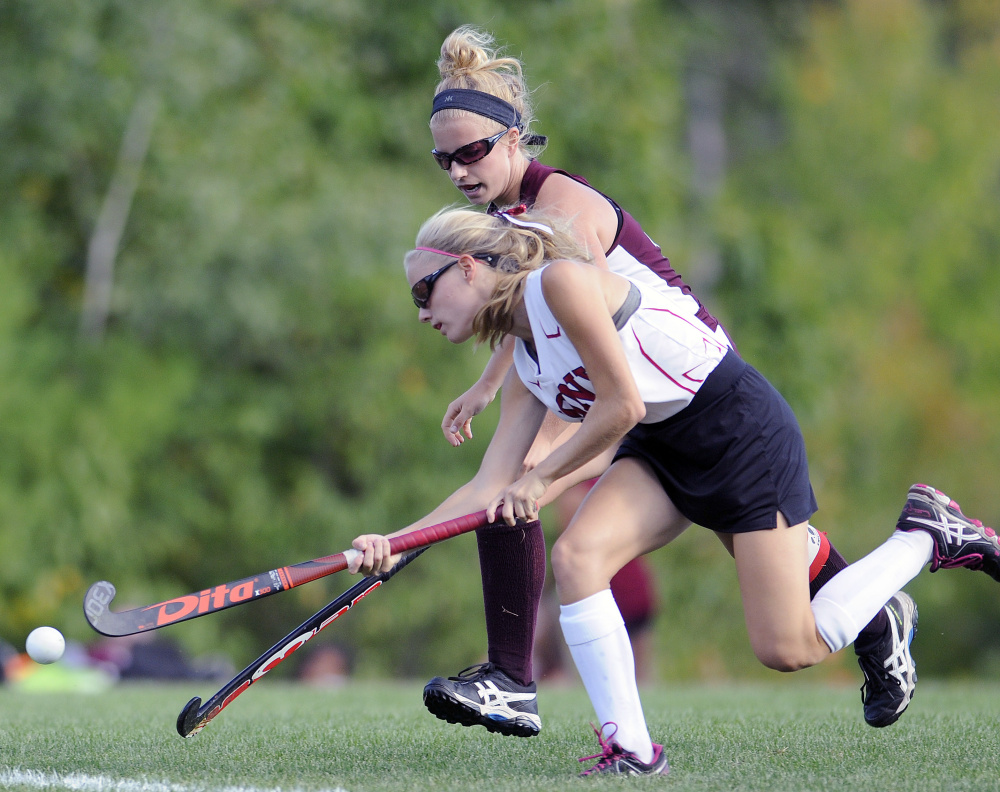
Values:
[(97, 602), (195, 715)]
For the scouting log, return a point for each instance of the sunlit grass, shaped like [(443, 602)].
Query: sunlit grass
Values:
[(368, 737)]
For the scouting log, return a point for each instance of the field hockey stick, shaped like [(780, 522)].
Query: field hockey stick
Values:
[(195, 715), (96, 603)]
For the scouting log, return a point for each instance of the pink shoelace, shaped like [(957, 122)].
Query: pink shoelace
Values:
[(609, 750)]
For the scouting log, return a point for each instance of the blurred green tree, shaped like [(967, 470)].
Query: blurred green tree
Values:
[(259, 391)]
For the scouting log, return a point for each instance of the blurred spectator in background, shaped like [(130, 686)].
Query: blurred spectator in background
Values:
[(326, 665), (152, 656)]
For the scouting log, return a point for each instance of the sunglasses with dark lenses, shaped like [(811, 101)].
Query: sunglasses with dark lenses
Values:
[(470, 152), (421, 290)]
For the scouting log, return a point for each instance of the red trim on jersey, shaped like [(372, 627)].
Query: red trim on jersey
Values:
[(658, 367)]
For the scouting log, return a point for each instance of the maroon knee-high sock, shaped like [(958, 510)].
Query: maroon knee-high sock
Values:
[(512, 561), (829, 562)]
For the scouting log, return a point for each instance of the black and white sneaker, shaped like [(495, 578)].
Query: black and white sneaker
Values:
[(958, 541), (484, 695), (614, 760), (890, 673)]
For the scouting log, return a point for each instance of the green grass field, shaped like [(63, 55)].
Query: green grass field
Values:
[(370, 737)]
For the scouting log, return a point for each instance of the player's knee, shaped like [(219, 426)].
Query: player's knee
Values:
[(785, 656), (562, 558), (569, 560)]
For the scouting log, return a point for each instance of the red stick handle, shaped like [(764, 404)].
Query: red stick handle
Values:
[(308, 571), (421, 537)]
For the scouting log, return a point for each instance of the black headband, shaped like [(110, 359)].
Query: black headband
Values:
[(480, 103), (486, 105)]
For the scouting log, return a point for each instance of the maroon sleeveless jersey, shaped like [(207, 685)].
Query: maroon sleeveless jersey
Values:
[(632, 248)]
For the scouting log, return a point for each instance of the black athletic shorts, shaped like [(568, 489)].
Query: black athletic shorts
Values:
[(734, 457)]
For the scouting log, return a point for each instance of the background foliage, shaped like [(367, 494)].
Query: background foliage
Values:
[(825, 173)]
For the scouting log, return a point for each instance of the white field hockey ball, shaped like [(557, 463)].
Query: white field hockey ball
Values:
[(45, 645)]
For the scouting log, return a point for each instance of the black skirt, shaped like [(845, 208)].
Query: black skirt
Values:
[(734, 457)]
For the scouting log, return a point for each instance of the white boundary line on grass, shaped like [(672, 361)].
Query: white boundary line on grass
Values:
[(79, 782)]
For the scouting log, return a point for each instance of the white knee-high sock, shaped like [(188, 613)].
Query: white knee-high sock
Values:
[(854, 595), (600, 646)]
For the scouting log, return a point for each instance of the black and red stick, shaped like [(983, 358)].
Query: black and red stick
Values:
[(97, 602), (195, 715)]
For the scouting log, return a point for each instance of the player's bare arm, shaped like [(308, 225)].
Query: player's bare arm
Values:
[(581, 298)]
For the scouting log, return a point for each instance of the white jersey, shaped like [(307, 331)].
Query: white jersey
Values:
[(624, 263), (669, 350)]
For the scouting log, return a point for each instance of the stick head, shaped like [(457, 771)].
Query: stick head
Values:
[(97, 602), (188, 719)]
